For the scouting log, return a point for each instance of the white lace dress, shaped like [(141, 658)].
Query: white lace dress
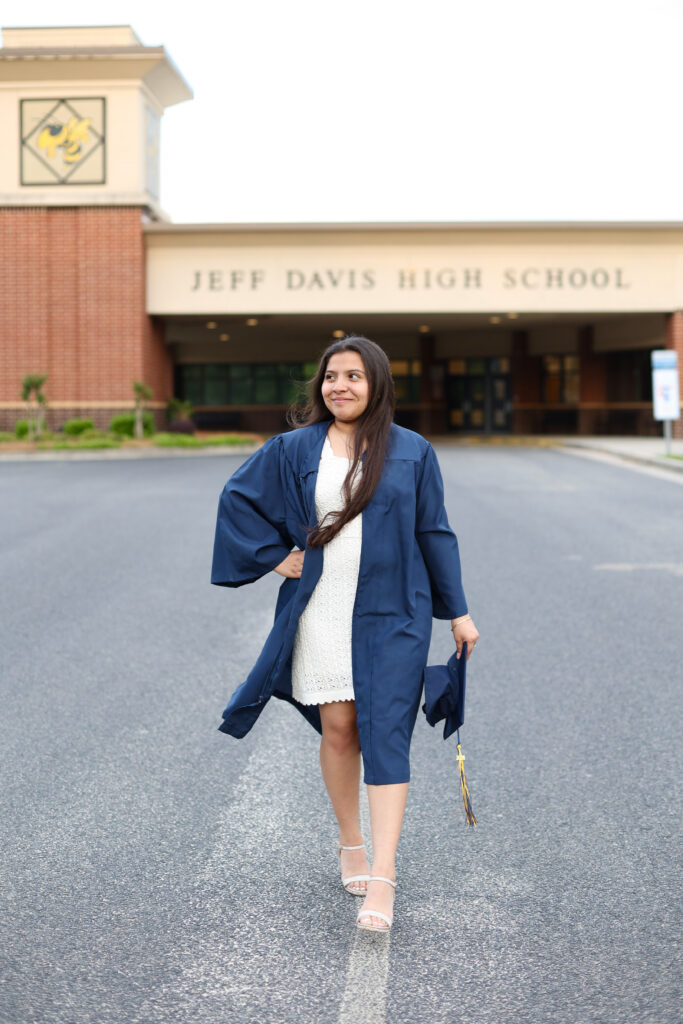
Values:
[(321, 659)]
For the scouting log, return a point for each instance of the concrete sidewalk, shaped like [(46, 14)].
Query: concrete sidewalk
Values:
[(646, 450)]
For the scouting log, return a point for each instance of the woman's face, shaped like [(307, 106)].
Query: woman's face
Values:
[(345, 387)]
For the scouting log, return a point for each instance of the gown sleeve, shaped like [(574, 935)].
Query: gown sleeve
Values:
[(251, 536), (438, 543)]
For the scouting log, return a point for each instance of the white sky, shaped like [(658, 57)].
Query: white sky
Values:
[(434, 110)]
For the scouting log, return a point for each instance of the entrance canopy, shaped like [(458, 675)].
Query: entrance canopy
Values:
[(489, 327), (403, 268)]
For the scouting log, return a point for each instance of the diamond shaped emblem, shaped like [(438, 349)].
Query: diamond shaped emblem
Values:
[(63, 141)]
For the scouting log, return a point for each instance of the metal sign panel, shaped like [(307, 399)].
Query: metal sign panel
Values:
[(665, 390)]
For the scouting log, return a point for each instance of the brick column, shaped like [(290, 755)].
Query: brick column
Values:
[(427, 421), (592, 383), (674, 340), (526, 383), (72, 306)]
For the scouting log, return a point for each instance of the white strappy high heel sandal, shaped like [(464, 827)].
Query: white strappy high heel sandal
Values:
[(354, 878), (375, 913)]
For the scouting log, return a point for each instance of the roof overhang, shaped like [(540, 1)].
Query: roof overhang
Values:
[(411, 226), (150, 64)]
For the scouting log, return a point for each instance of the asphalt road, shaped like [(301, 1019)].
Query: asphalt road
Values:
[(155, 870)]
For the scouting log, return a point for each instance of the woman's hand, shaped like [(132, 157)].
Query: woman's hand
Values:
[(464, 630), (292, 565)]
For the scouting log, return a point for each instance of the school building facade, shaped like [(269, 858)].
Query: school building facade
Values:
[(491, 328)]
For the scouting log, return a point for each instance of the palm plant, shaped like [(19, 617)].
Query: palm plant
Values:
[(36, 403), (142, 394)]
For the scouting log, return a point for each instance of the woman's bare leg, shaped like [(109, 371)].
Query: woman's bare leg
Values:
[(340, 762), (387, 807)]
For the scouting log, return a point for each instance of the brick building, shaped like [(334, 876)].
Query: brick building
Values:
[(490, 327)]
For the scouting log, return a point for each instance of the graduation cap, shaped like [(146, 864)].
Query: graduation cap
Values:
[(445, 699)]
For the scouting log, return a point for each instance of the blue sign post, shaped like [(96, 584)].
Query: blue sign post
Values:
[(665, 391)]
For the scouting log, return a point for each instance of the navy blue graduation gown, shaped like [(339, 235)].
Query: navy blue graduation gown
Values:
[(409, 573)]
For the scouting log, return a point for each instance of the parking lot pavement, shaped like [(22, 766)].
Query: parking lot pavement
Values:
[(157, 871)]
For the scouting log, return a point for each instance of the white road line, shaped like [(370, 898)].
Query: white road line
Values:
[(676, 568), (213, 952), (365, 992), (262, 820)]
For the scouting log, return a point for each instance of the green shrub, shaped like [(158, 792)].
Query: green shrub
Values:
[(99, 442), (170, 440), (75, 427), (166, 440), (21, 429), (7, 435), (177, 409), (95, 432), (229, 439), (124, 424), (80, 444)]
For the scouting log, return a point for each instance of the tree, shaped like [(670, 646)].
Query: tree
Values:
[(36, 403), (142, 394)]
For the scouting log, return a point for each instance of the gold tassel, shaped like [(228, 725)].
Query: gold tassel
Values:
[(469, 813)]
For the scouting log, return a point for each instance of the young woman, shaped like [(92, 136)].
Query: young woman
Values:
[(349, 508)]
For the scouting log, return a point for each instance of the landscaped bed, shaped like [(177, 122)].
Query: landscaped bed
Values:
[(98, 439)]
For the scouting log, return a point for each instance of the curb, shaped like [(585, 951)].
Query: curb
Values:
[(497, 440), (84, 455), (662, 462), (529, 441), (95, 454)]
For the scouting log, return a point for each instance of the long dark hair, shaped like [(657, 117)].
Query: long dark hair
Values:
[(372, 429)]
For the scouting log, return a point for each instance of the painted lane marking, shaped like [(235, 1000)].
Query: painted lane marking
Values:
[(228, 950), (219, 952), (365, 991), (676, 568)]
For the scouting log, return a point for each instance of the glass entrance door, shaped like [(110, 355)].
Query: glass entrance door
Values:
[(500, 399), (478, 392)]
